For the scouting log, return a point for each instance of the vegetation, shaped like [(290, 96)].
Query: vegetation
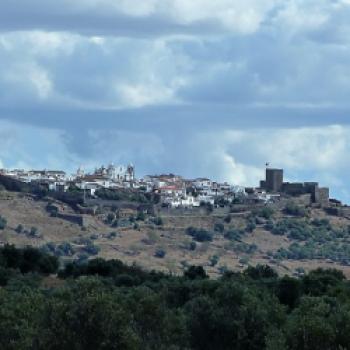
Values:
[(158, 221), (122, 195), (265, 212), (199, 235), (219, 227), (315, 239), (19, 228), (3, 223), (108, 305), (295, 210), (160, 253), (234, 235)]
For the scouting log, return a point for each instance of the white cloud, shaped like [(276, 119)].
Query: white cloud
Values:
[(239, 156), (33, 147)]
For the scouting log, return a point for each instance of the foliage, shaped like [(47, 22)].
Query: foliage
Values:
[(3, 223), (158, 221), (219, 227), (214, 259), (234, 235), (27, 260), (251, 226), (265, 212), (160, 253), (110, 218), (124, 195), (19, 228), (228, 219), (109, 305), (193, 245), (33, 232), (260, 272), (199, 235), (295, 210)]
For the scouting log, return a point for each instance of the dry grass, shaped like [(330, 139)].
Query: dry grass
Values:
[(139, 246)]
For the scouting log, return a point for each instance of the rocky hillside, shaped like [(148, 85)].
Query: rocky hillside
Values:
[(292, 239)]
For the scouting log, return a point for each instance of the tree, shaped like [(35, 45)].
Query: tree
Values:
[(33, 231), (195, 272), (289, 291), (214, 260), (160, 253), (260, 271), (158, 221), (3, 223), (19, 228), (199, 235), (219, 227), (309, 326)]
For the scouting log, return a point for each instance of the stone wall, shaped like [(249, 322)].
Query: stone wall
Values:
[(81, 220)]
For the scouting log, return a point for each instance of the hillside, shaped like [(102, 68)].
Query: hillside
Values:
[(172, 241)]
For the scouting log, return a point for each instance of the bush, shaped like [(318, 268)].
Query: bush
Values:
[(140, 216), (158, 221), (214, 260), (199, 235), (160, 253), (33, 232), (251, 226), (19, 228), (112, 235), (64, 249), (228, 219), (260, 271), (295, 210), (219, 227), (110, 218), (3, 223), (234, 235), (91, 249), (195, 272), (266, 213), (193, 246)]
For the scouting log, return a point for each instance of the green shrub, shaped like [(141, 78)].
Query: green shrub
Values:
[(234, 235), (228, 219), (19, 228), (160, 253), (219, 227), (199, 235), (295, 210), (158, 221), (3, 223), (214, 260), (33, 232)]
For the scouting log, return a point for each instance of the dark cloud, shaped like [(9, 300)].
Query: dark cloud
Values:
[(144, 92), (16, 15)]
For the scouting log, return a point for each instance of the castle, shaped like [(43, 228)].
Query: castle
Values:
[(274, 183)]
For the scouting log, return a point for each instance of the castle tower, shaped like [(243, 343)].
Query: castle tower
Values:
[(274, 180)]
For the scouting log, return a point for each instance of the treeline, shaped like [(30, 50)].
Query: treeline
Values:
[(108, 305)]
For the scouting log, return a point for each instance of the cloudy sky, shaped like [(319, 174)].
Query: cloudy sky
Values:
[(196, 87)]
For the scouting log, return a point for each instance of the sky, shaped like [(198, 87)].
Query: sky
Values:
[(198, 88)]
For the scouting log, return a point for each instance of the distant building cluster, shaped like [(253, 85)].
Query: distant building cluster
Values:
[(174, 190)]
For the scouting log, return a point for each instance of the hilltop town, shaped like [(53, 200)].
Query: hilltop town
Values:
[(174, 190), (168, 222)]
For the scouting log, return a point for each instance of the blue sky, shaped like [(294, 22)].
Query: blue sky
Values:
[(200, 87)]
